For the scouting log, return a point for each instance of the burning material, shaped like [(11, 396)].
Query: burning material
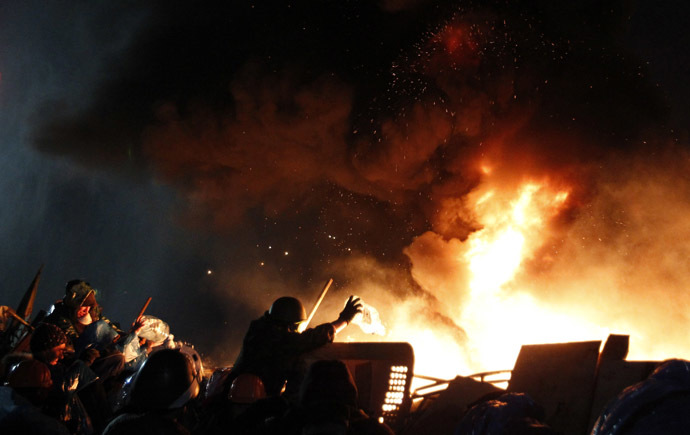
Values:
[(526, 277), (496, 251), (512, 228), (477, 292), (523, 277)]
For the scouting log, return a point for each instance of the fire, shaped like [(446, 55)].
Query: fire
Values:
[(497, 317), (436, 355), (518, 320), (498, 321), (525, 277), (496, 252), (446, 364)]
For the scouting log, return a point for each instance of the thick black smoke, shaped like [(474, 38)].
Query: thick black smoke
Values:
[(328, 108), (312, 131)]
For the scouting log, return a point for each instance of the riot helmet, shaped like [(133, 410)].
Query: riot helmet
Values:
[(288, 311), (31, 379), (29, 374), (79, 292), (165, 381), (246, 388)]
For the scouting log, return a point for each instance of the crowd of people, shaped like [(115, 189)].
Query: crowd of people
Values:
[(84, 374), (75, 372)]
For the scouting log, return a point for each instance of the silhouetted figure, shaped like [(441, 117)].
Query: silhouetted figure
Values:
[(272, 347), (21, 402), (245, 410), (162, 388), (77, 397), (328, 405)]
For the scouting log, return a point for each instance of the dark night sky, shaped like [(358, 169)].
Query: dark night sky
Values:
[(146, 143)]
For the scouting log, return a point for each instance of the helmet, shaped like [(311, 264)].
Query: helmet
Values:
[(78, 293), (195, 359), (164, 381), (30, 374), (246, 388), (217, 383), (287, 310), (122, 398)]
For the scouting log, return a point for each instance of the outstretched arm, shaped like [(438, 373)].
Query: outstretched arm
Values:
[(352, 308)]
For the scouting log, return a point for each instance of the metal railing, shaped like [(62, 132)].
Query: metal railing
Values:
[(437, 385)]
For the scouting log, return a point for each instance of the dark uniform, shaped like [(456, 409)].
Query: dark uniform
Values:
[(273, 348), (273, 353), (162, 389)]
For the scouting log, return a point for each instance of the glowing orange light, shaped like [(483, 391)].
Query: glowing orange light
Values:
[(511, 233), (453, 40), (497, 318), (457, 39), (495, 295)]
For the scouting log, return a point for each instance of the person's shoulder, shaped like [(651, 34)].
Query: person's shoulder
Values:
[(24, 417), (9, 399)]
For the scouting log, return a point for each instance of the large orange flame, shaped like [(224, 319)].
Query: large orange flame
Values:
[(497, 317), (499, 322), (526, 278)]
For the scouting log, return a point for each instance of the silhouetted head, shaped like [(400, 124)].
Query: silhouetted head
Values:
[(287, 311), (48, 343), (165, 381), (32, 380)]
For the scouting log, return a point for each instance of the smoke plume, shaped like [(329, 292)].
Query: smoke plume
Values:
[(350, 139)]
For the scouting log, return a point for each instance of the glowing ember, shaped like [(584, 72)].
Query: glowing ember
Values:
[(458, 43)]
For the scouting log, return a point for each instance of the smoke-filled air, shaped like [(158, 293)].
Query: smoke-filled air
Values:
[(484, 176)]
